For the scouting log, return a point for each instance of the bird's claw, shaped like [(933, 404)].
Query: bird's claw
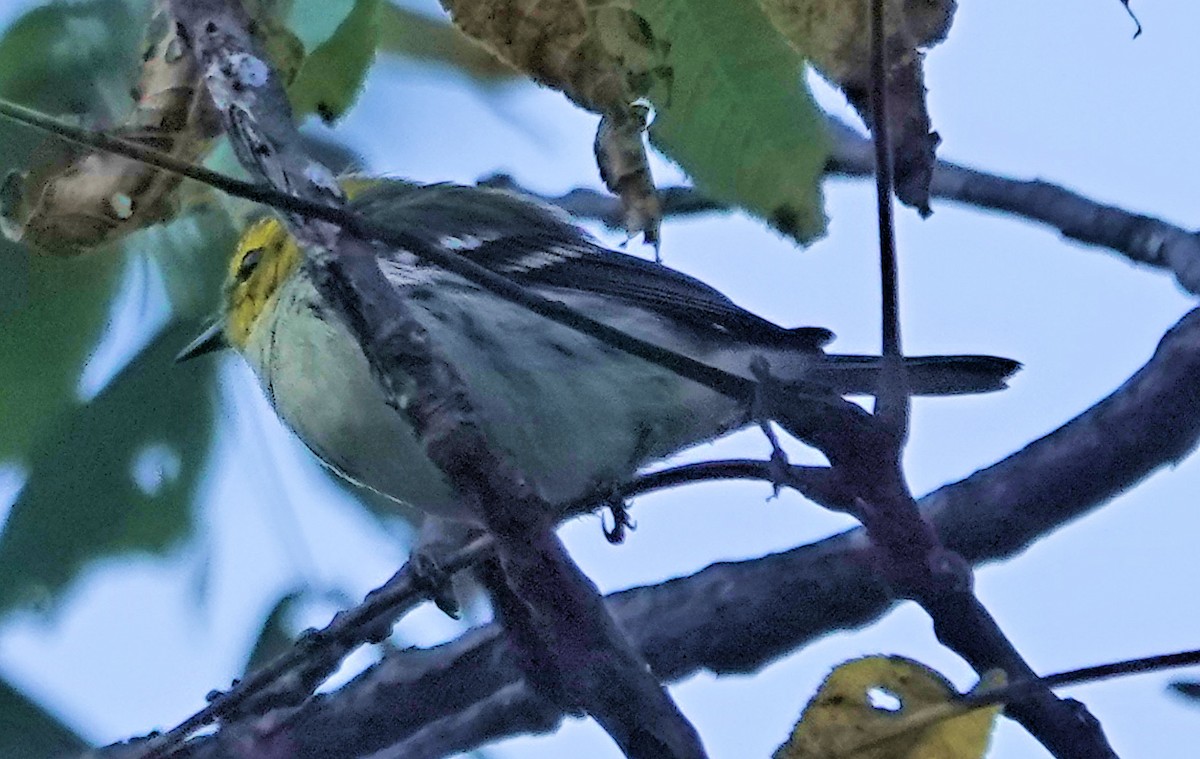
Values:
[(429, 576), (621, 521), (779, 466)]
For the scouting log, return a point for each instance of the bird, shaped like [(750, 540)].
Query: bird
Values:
[(577, 416)]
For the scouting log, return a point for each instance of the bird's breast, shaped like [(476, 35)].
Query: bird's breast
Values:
[(321, 386), (576, 416)]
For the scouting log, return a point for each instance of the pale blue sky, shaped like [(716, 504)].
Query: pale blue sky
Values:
[(1032, 89)]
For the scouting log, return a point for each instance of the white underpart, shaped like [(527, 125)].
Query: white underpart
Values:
[(574, 415)]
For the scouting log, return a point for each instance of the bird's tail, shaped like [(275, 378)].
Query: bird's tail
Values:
[(926, 375)]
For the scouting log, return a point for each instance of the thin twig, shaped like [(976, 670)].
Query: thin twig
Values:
[(892, 405), (1083, 675), (317, 654), (888, 268)]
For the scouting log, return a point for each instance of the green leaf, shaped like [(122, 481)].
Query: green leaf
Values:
[(192, 251), (334, 72), (276, 635), (117, 475), (53, 311), (27, 731), (59, 58), (314, 23), (733, 110), (408, 34), (73, 57)]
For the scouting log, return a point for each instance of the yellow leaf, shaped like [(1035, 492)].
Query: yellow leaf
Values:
[(599, 54), (727, 92), (922, 720), (836, 34)]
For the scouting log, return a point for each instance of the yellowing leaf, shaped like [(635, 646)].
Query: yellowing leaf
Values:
[(601, 55), (728, 94), (836, 36), (74, 201), (843, 722)]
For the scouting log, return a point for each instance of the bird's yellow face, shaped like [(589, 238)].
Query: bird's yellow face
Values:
[(266, 255)]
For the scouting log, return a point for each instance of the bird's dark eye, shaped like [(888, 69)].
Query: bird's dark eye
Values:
[(249, 261)]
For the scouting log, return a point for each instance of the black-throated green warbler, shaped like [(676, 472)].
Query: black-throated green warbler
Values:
[(577, 417)]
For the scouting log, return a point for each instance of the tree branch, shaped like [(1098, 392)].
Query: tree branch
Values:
[(571, 649), (1140, 238), (911, 555), (736, 617)]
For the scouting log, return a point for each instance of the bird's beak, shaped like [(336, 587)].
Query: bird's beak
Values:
[(211, 339)]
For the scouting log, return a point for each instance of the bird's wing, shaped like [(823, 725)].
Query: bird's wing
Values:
[(539, 247), (538, 261)]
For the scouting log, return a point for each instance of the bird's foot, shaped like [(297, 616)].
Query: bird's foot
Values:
[(780, 467), (438, 538), (621, 522)]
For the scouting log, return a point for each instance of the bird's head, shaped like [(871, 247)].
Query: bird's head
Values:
[(265, 256)]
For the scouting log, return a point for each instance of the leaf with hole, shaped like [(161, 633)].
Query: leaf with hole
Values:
[(888, 707), (114, 475)]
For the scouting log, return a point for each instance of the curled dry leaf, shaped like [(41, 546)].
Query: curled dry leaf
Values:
[(836, 36), (916, 717), (621, 156), (604, 57), (87, 199), (730, 104), (72, 206)]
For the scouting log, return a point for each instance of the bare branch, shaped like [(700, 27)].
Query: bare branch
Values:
[(1140, 238), (475, 725)]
